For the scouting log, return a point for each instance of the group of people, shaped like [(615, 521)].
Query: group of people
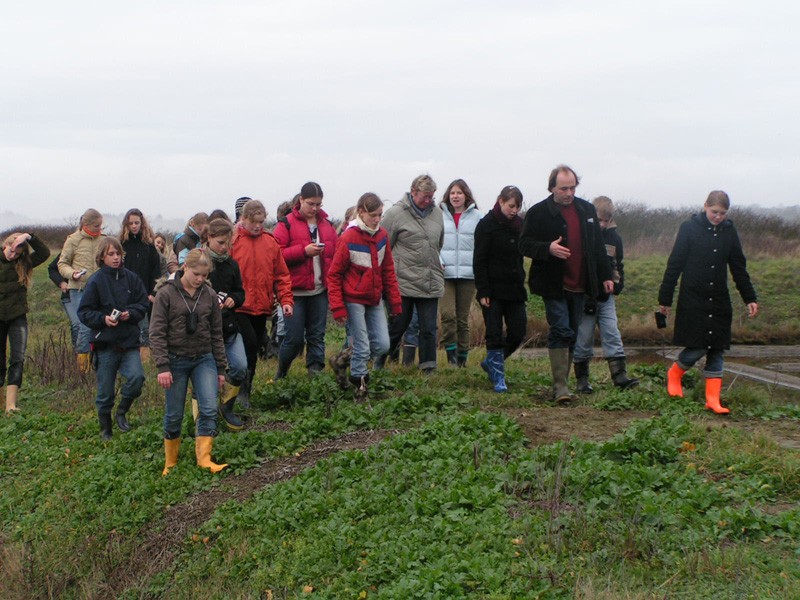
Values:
[(202, 305)]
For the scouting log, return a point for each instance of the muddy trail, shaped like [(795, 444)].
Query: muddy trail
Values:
[(161, 542)]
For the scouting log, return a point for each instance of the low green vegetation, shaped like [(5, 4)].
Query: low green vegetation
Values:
[(464, 494)]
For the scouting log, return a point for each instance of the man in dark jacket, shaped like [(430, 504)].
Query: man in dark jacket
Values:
[(562, 235)]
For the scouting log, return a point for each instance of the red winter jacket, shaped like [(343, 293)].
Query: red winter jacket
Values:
[(362, 272), (263, 271), (293, 237)]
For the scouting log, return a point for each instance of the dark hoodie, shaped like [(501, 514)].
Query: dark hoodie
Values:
[(106, 290)]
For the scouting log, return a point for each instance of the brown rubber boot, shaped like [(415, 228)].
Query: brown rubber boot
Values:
[(559, 366), (11, 398)]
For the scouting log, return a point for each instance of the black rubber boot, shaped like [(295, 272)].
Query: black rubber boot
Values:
[(582, 376), (105, 426), (122, 410), (461, 359), (283, 369), (409, 356), (243, 397), (226, 402), (452, 358), (619, 374)]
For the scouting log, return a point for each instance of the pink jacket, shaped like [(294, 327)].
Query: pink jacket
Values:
[(293, 235)]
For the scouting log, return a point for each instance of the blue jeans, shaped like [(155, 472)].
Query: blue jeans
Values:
[(306, 326), (237, 359), (516, 320), (73, 331), (610, 338), (16, 333), (427, 311), (109, 363), (80, 332), (564, 318), (202, 371), (144, 331), (714, 360), (369, 330)]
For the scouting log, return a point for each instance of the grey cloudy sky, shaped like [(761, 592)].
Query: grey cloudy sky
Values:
[(181, 106)]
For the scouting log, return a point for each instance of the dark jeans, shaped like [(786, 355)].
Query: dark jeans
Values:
[(714, 360), (15, 333), (564, 317), (306, 327), (110, 362), (516, 320), (252, 328), (427, 310)]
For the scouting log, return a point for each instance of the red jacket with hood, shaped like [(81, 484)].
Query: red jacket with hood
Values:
[(362, 272), (263, 272)]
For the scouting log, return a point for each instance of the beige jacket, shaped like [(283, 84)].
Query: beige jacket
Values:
[(79, 253)]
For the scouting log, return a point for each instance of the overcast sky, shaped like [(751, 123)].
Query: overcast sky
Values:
[(181, 106)]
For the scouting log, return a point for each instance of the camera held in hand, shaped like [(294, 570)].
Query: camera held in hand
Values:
[(115, 315), (661, 319)]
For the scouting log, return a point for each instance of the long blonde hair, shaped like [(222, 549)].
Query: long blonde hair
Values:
[(22, 265)]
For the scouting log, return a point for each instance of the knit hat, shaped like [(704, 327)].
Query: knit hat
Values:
[(240, 202)]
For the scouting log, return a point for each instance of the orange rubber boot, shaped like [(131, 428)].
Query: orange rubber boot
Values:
[(713, 389), (674, 376)]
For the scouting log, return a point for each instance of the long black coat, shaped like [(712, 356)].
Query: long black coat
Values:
[(701, 257), (496, 261), (544, 224)]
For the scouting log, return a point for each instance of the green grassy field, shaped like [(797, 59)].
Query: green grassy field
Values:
[(442, 489)]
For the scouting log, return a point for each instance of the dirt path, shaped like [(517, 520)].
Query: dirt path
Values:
[(161, 543), (547, 425)]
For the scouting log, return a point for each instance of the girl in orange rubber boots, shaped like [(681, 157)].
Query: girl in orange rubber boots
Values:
[(706, 247)]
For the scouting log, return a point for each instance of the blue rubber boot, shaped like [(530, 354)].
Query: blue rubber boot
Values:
[(497, 370)]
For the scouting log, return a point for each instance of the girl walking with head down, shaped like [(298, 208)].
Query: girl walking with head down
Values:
[(187, 344), (360, 278), (707, 247)]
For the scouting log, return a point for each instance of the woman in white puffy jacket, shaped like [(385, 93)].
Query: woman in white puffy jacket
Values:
[(461, 216)]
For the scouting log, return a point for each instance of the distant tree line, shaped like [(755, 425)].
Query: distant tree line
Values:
[(646, 231)]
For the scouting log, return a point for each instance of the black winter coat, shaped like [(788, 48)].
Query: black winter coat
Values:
[(106, 290), (496, 261), (701, 257), (226, 277), (543, 225), (13, 294), (144, 260)]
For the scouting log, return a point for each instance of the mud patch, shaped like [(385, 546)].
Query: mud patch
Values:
[(547, 425), (161, 543)]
